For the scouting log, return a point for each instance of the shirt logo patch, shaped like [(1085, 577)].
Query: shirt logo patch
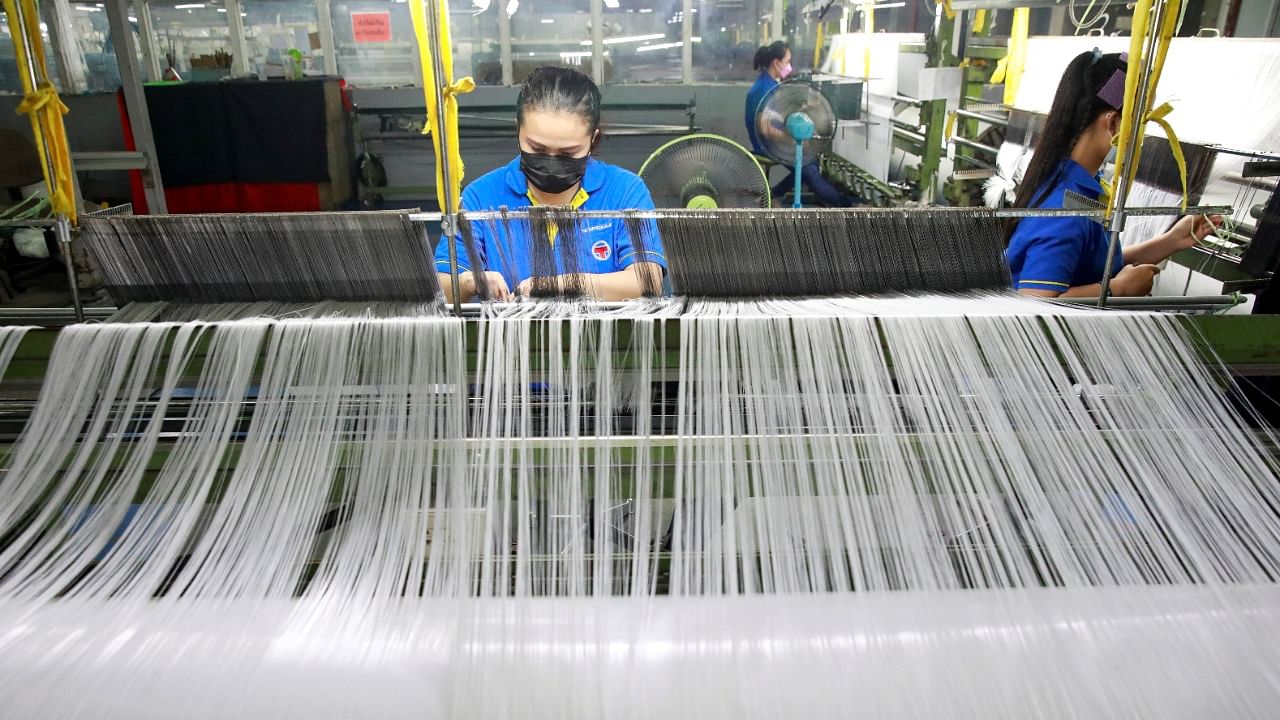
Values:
[(601, 250), (593, 228)]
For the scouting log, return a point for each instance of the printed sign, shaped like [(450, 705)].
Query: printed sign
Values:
[(371, 27)]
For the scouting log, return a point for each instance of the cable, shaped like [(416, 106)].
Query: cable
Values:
[(1083, 23)]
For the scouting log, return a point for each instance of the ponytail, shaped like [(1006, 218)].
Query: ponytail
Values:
[(767, 54), (1078, 102)]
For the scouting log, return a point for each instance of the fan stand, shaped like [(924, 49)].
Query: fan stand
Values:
[(801, 128)]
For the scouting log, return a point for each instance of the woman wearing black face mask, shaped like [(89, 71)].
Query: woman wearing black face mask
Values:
[(558, 116)]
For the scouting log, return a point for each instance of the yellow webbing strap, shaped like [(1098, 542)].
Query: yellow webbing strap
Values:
[(1016, 60), (817, 46), (44, 107), (979, 19), (441, 122), (869, 27), (1143, 115)]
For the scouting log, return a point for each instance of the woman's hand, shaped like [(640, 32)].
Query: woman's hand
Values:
[(1191, 229), (468, 283), (557, 285), (1134, 280)]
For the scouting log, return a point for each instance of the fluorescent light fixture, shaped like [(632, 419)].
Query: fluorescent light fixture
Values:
[(192, 6), (611, 4), (547, 21), (133, 19), (222, 9), (644, 11), (626, 39), (660, 46), (570, 55), (86, 8)]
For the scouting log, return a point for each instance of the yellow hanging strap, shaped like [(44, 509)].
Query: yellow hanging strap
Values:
[(979, 20), (441, 122), (869, 27), (42, 105), (817, 46), (1131, 114), (1016, 60)]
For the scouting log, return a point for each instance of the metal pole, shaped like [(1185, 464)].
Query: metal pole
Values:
[(135, 103), (324, 28), (62, 230), (597, 41), (239, 48), (504, 42), (62, 37), (686, 37), (1135, 136), (448, 220), (62, 225), (150, 53), (678, 213)]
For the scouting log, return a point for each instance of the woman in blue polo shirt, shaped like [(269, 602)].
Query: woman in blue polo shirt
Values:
[(558, 119), (1052, 256), (773, 62)]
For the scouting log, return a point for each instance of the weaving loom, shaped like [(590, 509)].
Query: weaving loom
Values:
[(954, 502)]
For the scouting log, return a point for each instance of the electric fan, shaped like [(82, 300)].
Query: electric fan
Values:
[(704, 172), (795, 123)]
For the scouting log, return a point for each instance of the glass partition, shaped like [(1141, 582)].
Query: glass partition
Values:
[(643, 40), (282, 37), (729, 34), (550, 32)]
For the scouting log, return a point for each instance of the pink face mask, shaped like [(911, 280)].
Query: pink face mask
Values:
[(784, 71)]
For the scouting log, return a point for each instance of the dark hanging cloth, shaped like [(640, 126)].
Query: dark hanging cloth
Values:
[(240, 146)]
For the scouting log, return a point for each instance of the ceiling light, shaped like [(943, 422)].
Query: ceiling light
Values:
[(660, 46)]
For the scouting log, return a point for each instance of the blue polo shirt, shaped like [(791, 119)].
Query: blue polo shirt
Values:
[(604, 245), (755, 96), (1058, 253)]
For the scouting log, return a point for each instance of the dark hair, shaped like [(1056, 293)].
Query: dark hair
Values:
[(768, 53), (1075, 107), (560, 89)]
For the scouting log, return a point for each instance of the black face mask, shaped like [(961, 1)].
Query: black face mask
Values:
[(552, 174)]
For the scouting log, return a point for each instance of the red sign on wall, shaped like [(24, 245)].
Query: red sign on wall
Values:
[(371, 27)]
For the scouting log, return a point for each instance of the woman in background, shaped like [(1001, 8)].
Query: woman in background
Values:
[(773, 62)]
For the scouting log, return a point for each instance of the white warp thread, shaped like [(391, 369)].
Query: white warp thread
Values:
[(903, 507)]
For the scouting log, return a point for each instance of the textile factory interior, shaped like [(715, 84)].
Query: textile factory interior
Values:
[(639, 359)]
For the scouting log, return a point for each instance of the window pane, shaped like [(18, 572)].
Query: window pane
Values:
[(383, 52), (730, 31), (476, 50), (10, 81), (193, 38), (550, 32), (643, 41), (274, 28)]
